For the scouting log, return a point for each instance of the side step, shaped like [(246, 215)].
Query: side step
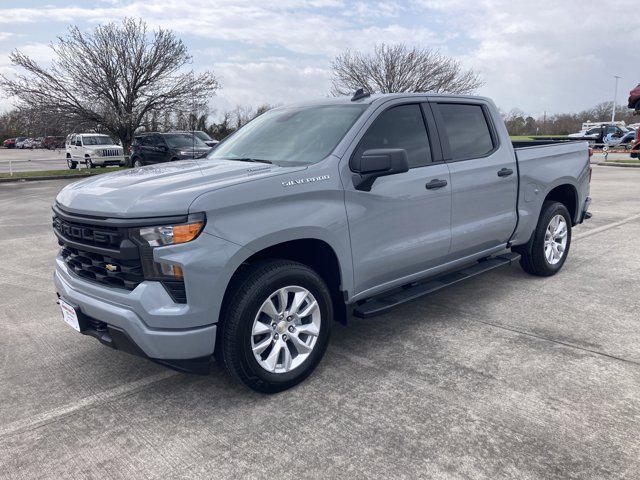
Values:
[(386, 301)]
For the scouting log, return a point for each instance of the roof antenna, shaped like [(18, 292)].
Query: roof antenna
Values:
[(360, 94)]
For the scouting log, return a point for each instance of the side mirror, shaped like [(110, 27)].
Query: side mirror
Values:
[(377, 162)]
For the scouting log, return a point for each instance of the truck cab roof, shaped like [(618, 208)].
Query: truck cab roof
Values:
[(379, 98)]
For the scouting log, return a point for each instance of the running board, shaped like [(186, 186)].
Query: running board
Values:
[(384, 302)]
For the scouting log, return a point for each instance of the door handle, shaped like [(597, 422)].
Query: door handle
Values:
[(436, 183), (505, 172)]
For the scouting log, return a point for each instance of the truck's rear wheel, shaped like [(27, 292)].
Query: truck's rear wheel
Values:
[(276, 325), (547, 251)]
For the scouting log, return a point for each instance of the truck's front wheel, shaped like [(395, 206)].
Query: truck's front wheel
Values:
[(547, 251), (276, 325)]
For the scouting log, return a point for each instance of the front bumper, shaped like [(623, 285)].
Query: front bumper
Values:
[(108, 160), (120, 327), (146, 320)]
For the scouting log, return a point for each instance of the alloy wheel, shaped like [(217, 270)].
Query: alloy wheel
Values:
[(555, 239), (285, 329)]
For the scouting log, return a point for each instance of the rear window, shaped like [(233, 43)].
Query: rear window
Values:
[(467, 130)]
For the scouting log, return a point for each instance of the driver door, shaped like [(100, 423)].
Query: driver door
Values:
[(401, 227)]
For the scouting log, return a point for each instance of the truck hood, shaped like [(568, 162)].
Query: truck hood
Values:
[(159, 190)]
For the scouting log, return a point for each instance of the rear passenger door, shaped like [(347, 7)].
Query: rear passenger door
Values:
[(402, 226), (484, 177)]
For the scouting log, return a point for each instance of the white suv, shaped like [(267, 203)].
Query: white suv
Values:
[(94, 150)]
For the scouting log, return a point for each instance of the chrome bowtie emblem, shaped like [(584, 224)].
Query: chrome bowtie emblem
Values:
[(111, 267)]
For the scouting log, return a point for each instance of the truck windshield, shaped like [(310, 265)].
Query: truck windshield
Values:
[(291, 136), (97, 140)]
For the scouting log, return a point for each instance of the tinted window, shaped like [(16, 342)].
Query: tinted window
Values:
[(184, 140), (399, 127), (466, 128)]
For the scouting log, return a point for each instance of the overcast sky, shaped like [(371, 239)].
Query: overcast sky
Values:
[(534, 55)]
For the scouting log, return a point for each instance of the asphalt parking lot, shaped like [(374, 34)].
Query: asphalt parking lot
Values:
[(504, 376)]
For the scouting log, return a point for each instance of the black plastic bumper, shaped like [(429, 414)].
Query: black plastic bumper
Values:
[(585, 215)]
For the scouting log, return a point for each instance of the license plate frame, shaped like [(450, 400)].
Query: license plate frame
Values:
[(70, 314)]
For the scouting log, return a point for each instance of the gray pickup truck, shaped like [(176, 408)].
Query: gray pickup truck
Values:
[(310, 213)]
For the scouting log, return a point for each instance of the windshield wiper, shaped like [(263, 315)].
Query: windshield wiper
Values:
[(248, 159)]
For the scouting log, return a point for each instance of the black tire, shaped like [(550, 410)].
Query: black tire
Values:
[(137, 162), (533, 259), (88, 162), (71, 164), (250, 289)]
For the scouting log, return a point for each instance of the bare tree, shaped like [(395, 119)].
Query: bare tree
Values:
[(398, 68), (114, 77)]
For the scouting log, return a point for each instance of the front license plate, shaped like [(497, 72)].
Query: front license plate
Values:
[(69, 315)]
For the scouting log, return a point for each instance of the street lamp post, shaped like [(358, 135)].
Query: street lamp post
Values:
[(615, 95)]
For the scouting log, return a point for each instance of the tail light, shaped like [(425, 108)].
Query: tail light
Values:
[(590, 152), (131, 146)]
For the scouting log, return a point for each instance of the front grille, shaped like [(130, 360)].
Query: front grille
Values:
[(102, 251), (103, 269), (97, 236), (111, 152)]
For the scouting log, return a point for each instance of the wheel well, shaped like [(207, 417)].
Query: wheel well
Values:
[(314, 253), (568, 196)]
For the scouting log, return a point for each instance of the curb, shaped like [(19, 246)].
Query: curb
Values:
[(614, 164), (46, 177)]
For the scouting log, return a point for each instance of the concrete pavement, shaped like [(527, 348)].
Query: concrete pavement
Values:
[(503, 376)]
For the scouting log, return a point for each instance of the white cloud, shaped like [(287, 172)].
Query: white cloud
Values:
[(547, 55), (542, 55)]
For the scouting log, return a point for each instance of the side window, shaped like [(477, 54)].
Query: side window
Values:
[(399, 127), (467, 130)]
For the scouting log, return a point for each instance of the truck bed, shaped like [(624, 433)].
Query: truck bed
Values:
[(543, 165)]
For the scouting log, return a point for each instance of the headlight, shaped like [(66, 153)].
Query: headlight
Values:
[(165, 235), (173, 234)]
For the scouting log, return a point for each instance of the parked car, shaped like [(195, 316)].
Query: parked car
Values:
[(94, 150), (9, 143), (634, 98), (304, 216), (154, 147), (53, 143), (204, 136), (597, 134), (20, 141), (29, 143)]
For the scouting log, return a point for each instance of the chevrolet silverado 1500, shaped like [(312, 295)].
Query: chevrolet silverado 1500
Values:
[(310, 213)]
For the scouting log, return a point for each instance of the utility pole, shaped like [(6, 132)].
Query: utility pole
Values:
[(615, 94)]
